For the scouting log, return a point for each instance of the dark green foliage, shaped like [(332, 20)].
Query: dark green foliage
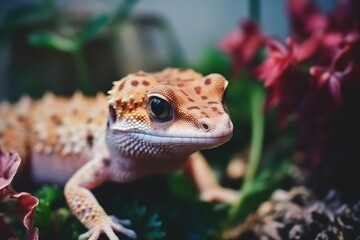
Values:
[(181, 186), (145, 222), (70, 44), (53, 216)]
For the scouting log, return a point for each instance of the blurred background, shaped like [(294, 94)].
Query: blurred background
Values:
[(67, 45)]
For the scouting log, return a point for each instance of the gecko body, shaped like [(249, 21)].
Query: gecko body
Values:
[(149, 123)]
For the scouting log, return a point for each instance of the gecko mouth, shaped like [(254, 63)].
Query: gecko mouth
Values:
[(205, 139)]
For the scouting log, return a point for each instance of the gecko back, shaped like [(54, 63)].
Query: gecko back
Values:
[(54, 135)]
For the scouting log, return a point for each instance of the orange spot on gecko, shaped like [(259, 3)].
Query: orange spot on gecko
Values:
[(193, 107), (197, 89), (215, 109), (191, 100), (122, 85), (205, 114), (145, 83), (182, 91), (207, 81), (212, 102), (134, 83)]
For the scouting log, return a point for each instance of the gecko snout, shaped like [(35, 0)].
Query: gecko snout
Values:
[(205, 125)]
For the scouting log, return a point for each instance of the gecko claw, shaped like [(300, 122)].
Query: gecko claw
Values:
[(108, 225)]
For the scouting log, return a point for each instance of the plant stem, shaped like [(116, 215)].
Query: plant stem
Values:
[(257, 117), (123, 11), (83, 73)]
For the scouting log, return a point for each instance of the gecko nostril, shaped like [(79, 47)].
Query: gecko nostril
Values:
[(205, 126)]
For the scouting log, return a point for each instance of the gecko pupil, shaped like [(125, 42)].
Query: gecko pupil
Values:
[(160, 109)]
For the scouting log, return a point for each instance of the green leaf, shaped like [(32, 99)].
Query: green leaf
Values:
[(92, 28), (270, 178), (123, 11), (214, 60), (53, 41), (145, 222), (51, 213), (182, 187)]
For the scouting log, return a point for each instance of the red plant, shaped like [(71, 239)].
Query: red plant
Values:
[(286, 84), (25, 202), (315, 76), (243, 45)]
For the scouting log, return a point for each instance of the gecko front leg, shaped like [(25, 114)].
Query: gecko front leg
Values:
[(86, 208), (207, 185)]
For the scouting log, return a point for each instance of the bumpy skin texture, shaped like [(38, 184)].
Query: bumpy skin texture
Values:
[(149, 123)]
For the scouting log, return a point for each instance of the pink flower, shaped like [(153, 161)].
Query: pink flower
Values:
[(26, 203), (243, 45), (278, 60), (316, 34), (286, 85), (305, 19), (340, 70), (9, 163), (331, 78), (25, 207)]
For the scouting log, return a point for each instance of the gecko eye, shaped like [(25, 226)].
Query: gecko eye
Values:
[(160, 109)]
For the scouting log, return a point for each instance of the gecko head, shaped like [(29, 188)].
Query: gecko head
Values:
[(169, 112)]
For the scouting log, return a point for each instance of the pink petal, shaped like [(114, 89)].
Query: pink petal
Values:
[(308, 48), (352, 37), (9, 163), (274, 47), (25, 206), (335, 90), (319, 73), (34, 235), (332, 39), (230, 42)]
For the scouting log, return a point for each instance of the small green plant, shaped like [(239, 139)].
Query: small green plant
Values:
[(74, 43)]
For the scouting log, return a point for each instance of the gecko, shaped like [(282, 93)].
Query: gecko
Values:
[(149, 123)]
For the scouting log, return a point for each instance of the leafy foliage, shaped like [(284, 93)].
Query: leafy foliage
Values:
[(145, 222)]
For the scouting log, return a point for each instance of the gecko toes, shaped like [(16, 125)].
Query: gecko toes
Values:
[(124, 222), (107, 226)]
